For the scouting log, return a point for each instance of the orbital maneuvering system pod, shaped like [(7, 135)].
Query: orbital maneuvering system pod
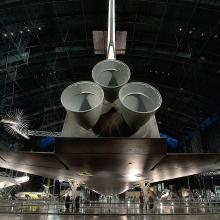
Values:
[(137, 102)]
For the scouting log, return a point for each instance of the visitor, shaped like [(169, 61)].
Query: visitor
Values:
[(67, 202), (77, 203), (141, 199), (151, 202)]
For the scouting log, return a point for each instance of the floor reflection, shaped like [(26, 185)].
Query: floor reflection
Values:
[(107, 217), (108, 209)]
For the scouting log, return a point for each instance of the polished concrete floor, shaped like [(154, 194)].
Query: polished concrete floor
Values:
[(107, 217), (110, 209), (122, 209), (40, 210)]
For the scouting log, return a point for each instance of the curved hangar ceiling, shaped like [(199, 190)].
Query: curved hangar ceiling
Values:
[(173, 45)]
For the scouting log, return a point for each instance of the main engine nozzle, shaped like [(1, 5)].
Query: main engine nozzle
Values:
[(83, 102), (138, 102), (111, 75)]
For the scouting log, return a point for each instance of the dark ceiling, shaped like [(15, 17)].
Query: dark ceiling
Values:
[(171, 44)]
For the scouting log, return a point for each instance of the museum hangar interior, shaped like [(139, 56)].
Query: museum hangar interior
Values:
[(112, 101)]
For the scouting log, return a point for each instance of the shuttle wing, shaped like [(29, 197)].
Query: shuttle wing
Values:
[(42, 164), (180, 165), (109, 165)]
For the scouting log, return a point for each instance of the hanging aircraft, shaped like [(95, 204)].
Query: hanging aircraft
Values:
[(9, 181), (45, 194)]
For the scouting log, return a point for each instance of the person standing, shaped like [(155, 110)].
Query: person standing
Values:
[(77, 203), (151, 202), (141, 200), (67, 202)]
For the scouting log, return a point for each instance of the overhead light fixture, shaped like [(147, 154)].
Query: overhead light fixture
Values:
[(16, 123), (14, 127), (138, 175), (84, 173), (9, 121)]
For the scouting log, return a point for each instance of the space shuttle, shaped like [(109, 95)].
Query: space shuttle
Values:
[(110, 140)]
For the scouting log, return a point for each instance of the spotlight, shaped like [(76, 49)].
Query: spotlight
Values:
[(9, 121), (16, 123), (16, 129)]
